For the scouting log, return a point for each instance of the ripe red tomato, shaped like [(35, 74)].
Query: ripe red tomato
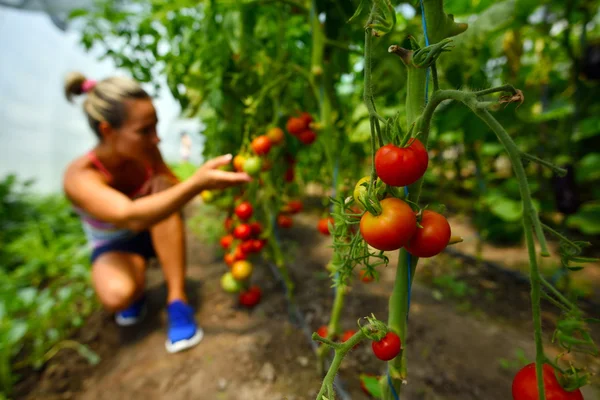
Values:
[(401, 166), (275, 135), (307, 137), (306, 117), (242, 231), (347, 335), (239, 254), (296, 125), (323, 225), (257, 245), (247, 246), (228, 223), (250, 297), (261, 145), (244, 210), (524, 385), (255, 228), (391, 229), (364, 277), (284, 221), (322, 331), (388, 347), (432, 238), (226, 241), (294, 206)]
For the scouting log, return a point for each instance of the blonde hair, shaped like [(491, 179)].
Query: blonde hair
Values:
[(105, 100)]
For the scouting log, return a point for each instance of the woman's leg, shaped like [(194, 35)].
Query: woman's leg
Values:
[(118, 279)]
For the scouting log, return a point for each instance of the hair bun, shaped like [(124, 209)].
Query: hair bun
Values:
[(74, 84)]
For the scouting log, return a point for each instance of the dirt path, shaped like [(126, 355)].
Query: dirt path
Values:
[(453, 353)]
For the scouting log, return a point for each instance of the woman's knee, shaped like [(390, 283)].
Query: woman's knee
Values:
[(117, 294)]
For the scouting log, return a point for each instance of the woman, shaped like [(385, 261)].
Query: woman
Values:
[(129, 202)]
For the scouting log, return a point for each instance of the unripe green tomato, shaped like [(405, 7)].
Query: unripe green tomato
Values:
[(229, 284), (359, 189), (252, 166)]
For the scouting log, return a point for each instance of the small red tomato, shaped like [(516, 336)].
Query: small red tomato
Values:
[(387, 348), (364, 277), (257, 245), (247, 246), (524, 386), (307, 137), (401, 166), (391, 229), (242, 231), (255, 228), (294, 206), (347, 335), (275, 135), (289, 174), (229, 259), (239, 254), (250, 297), (432, 238), (323, 225), (228, 223), (296, 125), (306, 117), (244, 210), (284, 221), (322, 331), (226, 241), (261, 145)]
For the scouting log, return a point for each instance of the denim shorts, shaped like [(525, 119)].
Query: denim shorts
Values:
[(140, 244)]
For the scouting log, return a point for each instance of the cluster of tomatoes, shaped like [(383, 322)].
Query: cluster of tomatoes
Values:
[(301, 128), (386, 349), (394, 224), (242, 240)]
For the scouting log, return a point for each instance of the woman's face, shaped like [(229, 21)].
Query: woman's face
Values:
[(136, 138)]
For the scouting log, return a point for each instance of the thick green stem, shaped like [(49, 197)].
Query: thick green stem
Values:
[(415, 94)]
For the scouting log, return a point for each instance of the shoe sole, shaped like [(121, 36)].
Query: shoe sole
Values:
[(186, 343), (128, 321)]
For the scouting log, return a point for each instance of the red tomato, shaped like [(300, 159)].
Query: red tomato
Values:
[(388, 347), (364, 277), (323, 225), (307, 137), (306, 117), (242, 231), (322, 331), (275, 135), (347, 335), (244, 210), (228, 223), (432, 238), (289, 174), (294, 206), (296, 125), (239, 254), (524, 385), (229, 259), (257, 245), (284, 221), (250, 297), (391, 229), (226, 241), (255, 228), (401, 166), (247, 246), (261, 145)]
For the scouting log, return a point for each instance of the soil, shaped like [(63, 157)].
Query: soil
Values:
[(464, 335)]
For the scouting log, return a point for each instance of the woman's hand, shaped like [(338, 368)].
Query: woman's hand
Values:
[(208, 177)]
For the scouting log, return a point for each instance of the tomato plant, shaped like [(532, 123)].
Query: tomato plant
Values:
[(391, 229)]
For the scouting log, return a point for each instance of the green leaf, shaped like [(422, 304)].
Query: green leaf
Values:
[(359, 10), (78, 12), (17, 331), (371, 384), (587, 219), (588, 127), (589, 168), (504, 208), (575, 268)]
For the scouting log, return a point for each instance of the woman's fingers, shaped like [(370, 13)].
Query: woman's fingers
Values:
[(218, 161)]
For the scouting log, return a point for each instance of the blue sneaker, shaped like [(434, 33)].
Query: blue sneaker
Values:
[(183, 332), (132, 314)]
